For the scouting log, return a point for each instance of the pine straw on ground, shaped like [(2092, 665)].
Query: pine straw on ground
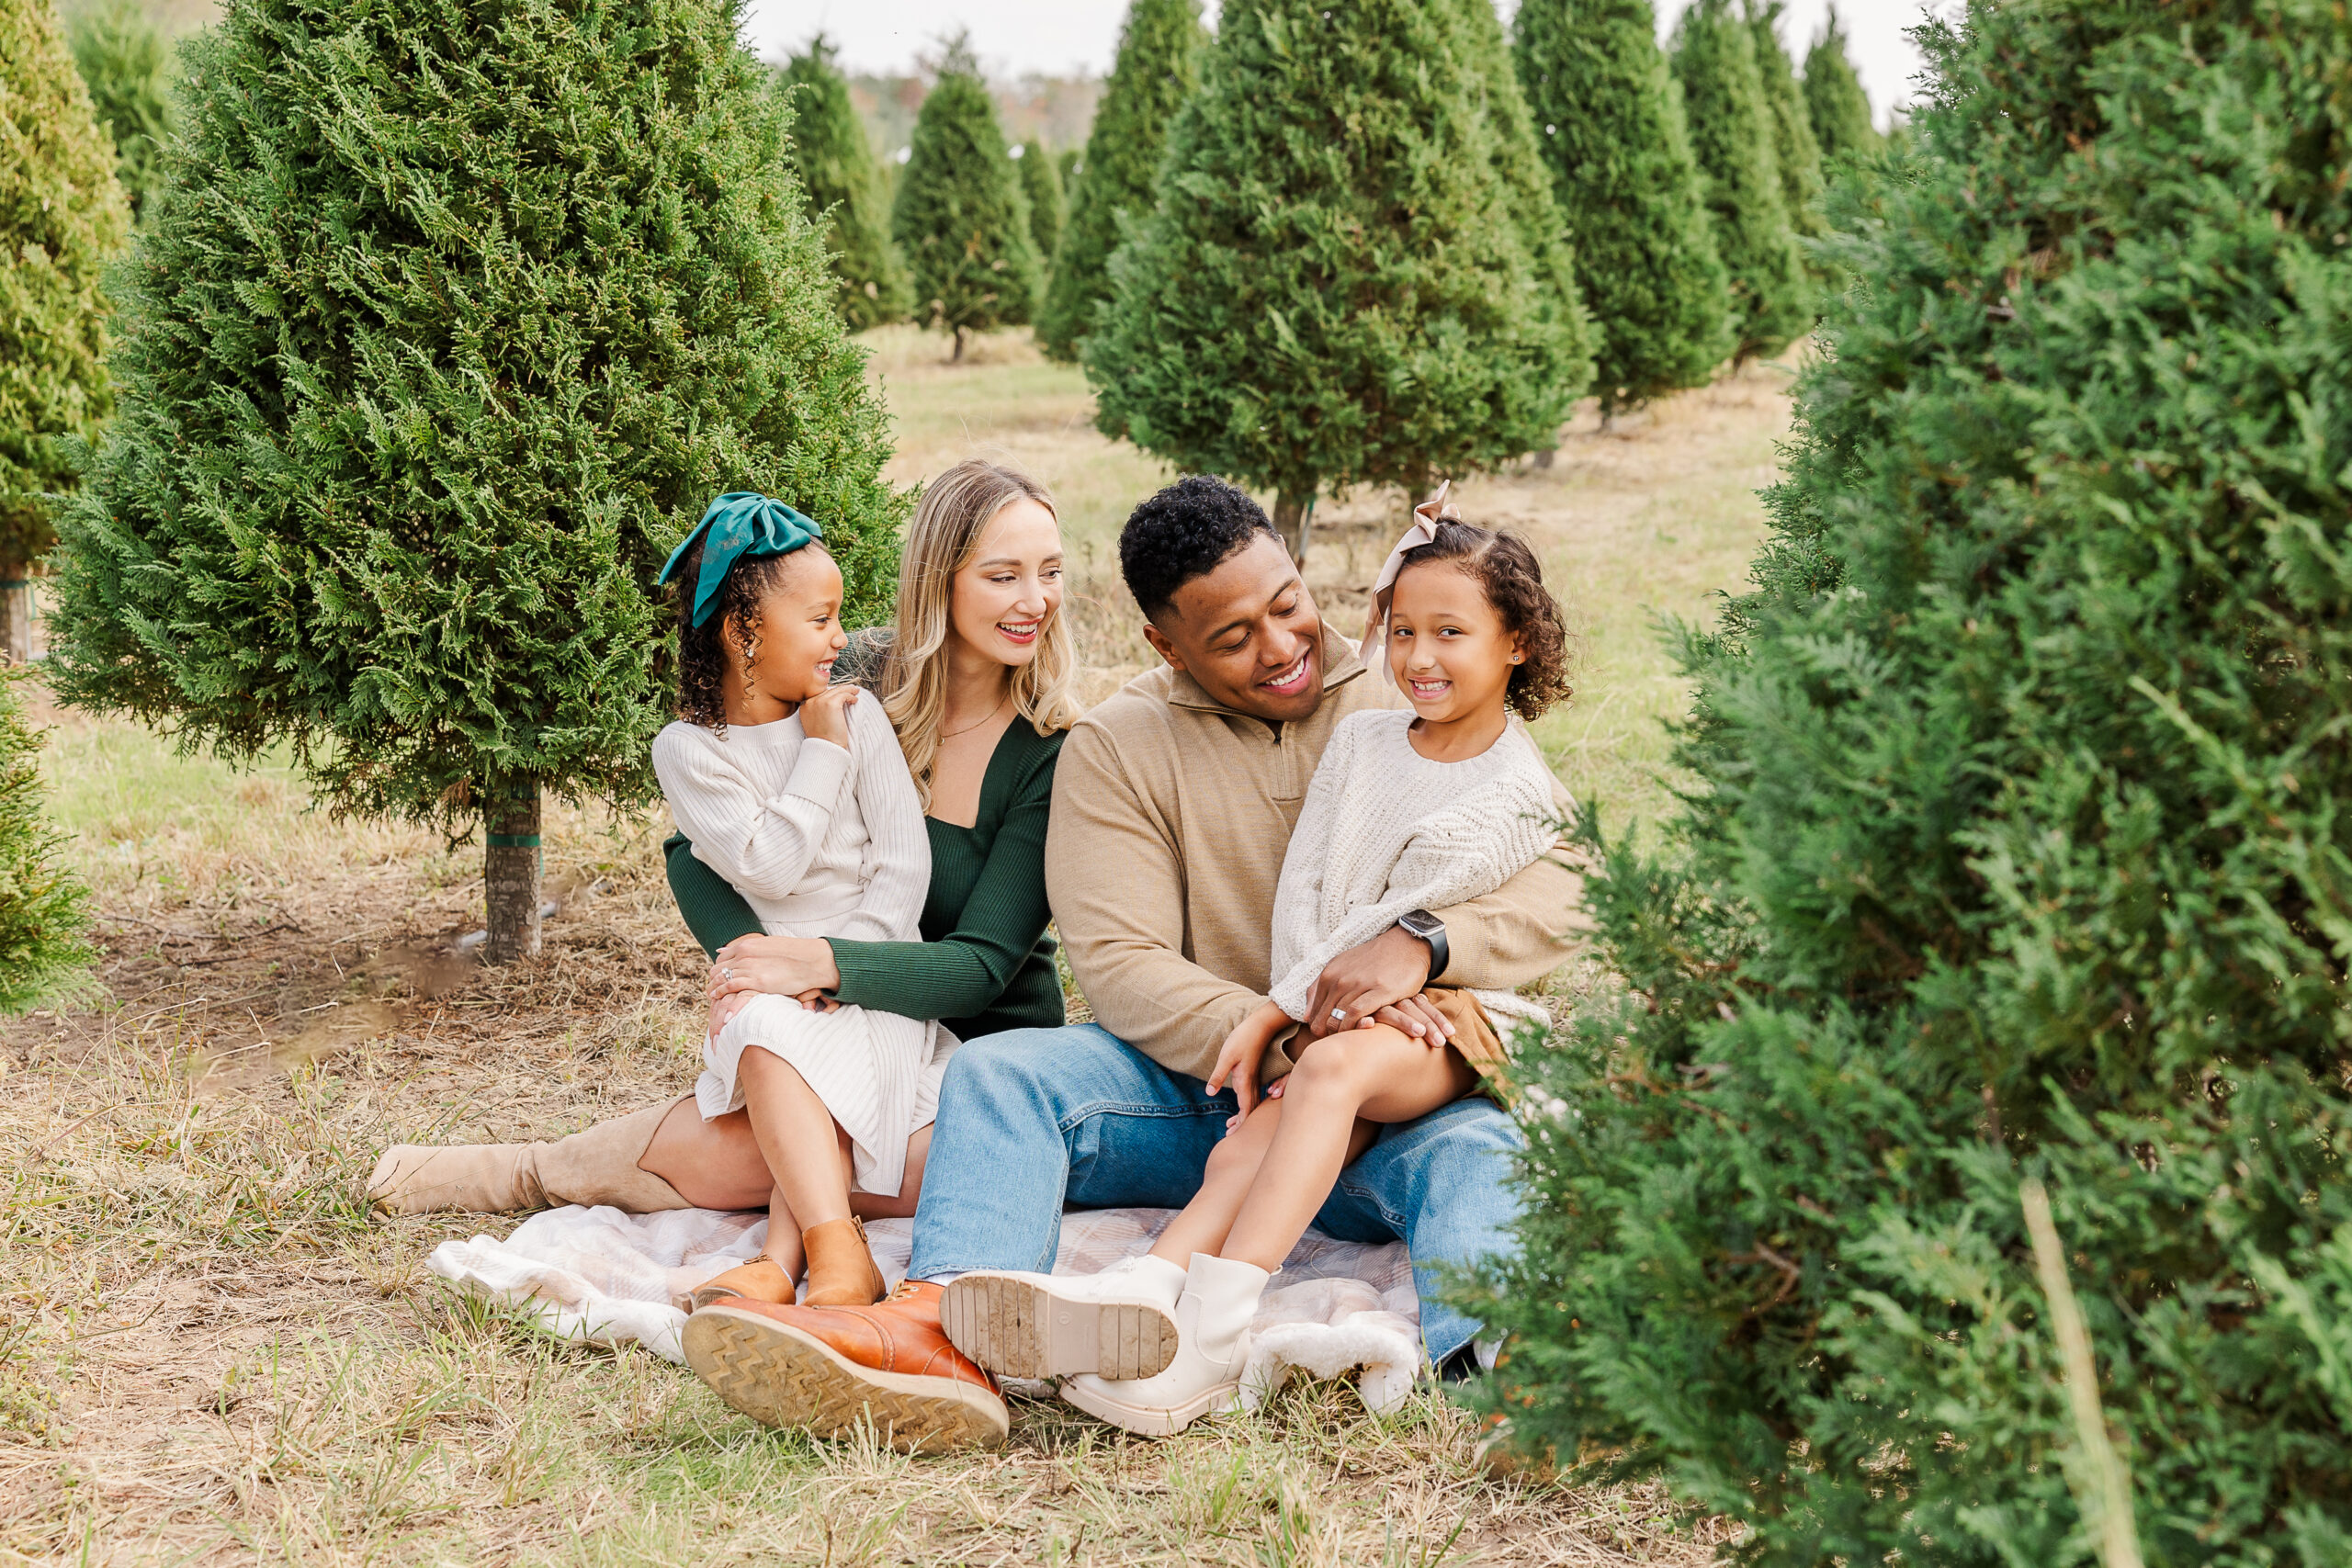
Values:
[(213, 1352), (210, 1352)]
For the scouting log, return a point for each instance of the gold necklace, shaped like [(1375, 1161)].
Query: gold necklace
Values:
[(967, 729)]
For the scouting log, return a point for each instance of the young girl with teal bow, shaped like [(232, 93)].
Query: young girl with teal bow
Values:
[(795, 791)]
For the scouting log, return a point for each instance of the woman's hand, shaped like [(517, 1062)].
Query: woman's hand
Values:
[(722, 1009), (1244, 1048), (781, 966), (826, 715)]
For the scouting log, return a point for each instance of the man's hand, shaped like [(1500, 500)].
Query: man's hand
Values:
[(1377, 982)]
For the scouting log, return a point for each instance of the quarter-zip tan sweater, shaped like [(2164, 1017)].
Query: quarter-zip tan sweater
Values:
[(1171, 816)]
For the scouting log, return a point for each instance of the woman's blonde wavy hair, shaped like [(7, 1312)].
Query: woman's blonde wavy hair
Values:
[(954, 512)]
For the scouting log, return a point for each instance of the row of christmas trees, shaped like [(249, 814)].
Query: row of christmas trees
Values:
[(1671, 195), (1675, 205)]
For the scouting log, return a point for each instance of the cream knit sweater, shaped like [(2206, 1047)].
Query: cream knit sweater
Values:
[(1384, 831)]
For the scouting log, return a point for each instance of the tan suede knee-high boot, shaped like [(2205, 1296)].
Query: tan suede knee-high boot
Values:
[(595, 1166)]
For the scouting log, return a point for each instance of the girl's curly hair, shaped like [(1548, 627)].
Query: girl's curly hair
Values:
[(1504, 566), (733, 628)]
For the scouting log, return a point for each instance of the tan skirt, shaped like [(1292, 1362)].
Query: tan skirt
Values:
[(1474, 1038)]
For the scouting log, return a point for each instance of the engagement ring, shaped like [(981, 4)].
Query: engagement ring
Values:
[(1338, 1015)]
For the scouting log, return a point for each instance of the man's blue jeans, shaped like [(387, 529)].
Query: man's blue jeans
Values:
[(1032, 1119)]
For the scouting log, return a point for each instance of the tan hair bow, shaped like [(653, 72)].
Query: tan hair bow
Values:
[(1437, 509)]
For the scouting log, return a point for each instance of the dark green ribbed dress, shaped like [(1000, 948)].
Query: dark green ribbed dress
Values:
[(985, 962)]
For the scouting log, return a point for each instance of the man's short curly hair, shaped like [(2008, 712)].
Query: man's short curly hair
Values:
[(1504, 566), (1186, 531)]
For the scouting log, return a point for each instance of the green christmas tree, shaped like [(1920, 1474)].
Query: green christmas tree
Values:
[(1612, 131), (1041, 182), (960, 219), (1834, 99), (1157, 66), (125, 64), (44, 929), (842, 184), (63, 219), (1526, 180), (1796, 157), (43, 906), (2014, 864), (1731, 133), (449, 328), (1334, 288)]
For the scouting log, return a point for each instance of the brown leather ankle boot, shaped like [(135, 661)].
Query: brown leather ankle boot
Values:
[(841, 1266), (761, 1279)]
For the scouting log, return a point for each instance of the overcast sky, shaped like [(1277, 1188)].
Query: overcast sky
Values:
[(1069, 37)]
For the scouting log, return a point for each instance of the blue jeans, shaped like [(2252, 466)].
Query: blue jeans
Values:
[(1032, 1119)]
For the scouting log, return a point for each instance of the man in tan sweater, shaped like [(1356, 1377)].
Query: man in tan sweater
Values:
[(1172, 805)]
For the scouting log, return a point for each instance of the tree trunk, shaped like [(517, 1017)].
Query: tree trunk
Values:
[(16, 613), (1293, 515), (510, 871), (957, 357)]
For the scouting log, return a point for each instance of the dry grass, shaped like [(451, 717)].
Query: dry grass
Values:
[(210, 1352)]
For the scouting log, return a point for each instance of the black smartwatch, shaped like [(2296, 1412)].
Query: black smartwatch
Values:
[(1431, 929)]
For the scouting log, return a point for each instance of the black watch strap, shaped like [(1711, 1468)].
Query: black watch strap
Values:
[(1431, 929)]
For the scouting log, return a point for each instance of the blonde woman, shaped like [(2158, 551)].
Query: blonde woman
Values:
[(976, 677)]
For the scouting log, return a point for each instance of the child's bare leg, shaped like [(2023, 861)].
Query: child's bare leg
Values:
[(1381, 1075), (797, 1138), (1232, 1167), (782, 1246), (867, 1206)]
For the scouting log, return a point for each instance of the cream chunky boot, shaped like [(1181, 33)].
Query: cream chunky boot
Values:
[(1118, 1324), (1212, 1343), (597, 1166)]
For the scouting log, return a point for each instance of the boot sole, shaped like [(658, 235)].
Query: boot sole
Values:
[(1017, 1328), (780, 1376), (1152, 1421)]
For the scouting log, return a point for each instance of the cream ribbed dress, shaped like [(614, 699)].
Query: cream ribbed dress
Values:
[(1384, 831), (822, 842)]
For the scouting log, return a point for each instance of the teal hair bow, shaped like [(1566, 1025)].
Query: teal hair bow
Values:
[(740, 522)]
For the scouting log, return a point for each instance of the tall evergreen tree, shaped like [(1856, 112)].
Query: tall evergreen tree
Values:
[(63, 218), (1157, 68), (450, 326), (1731, 133), (44, 926), (123, 60), (1333, 289), (1834, 99), (841, 183), (1796, 157), (960, 218), (1526, 180), (1041, 185), (1610, 129), (2016, 855)]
